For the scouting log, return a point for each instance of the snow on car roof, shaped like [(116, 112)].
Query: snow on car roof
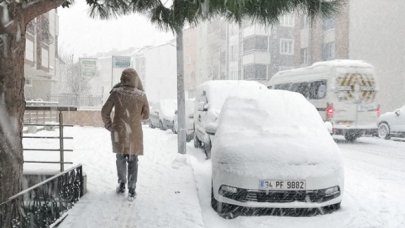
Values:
[(218, 90), (275, 128), (320, 66), (343, 63)]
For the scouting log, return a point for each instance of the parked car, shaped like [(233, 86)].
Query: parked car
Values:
[(162, 114), (167, 108), (154, 120), (210, 96), (392, 124), (272, 150), (189, 120)]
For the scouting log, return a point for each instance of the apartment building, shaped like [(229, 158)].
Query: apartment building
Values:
[(41, 55), (369, 30)]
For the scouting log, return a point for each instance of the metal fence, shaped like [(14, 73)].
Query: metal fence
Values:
[(43, 204), (40, 122)]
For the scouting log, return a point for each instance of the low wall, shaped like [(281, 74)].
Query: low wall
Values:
[(83, 118)]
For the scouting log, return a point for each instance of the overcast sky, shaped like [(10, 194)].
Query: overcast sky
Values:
[(81, 35)]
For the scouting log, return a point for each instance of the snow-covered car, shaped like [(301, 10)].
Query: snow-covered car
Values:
[(272, 150), (189, 120), (167, 108), (392, 124), (210, 96), (154, 120)]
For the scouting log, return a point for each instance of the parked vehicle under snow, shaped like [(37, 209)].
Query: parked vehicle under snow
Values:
[(272, 150)]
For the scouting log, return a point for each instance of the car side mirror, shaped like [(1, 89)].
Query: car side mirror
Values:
[(398, 112)]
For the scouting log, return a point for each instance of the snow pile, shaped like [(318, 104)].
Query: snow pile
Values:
[(277, 129)]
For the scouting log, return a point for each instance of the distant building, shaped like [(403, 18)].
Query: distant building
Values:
[(369, 30), (227, 51), (40, 55), (157, 67)]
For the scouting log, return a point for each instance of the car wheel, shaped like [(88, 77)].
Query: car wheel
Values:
[(174, 129), (151, 124), (226, 211), (351, 136), (207, 149), (189, 138), (161, 125), (384, 131), (197, 142)]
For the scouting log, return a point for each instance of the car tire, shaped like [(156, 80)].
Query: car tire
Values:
[(174, 129), (189, 138), (207, 149), (151, 124), (161, 127), (384, 131), (197, 142), (226, 211), (351, 136)]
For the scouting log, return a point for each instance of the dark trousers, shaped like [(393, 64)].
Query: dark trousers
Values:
[(127, 164)]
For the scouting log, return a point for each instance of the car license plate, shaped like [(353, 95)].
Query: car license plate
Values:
[(282, 184)]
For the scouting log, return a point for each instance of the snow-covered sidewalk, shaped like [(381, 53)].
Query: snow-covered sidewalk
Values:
[(166, 191)]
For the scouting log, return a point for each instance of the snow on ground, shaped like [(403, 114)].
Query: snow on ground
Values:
[(169, 195)]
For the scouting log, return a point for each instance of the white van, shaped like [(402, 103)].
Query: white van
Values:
[(343, 91), (210, 96)]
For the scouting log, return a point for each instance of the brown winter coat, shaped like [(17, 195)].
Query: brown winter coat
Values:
[(131, 107)]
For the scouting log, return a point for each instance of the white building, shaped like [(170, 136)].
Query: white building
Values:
[(157, 68)]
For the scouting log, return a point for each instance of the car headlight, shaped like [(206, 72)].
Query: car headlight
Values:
[(332, 191), (227, 189)]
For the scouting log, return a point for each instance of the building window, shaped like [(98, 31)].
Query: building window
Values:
[(255, 72), (304, 22), (328, 51), (287, 20), (304, 56), (258, 43), (44, 58), (234, 53), (29, 50), (286, 46), (328, 23)]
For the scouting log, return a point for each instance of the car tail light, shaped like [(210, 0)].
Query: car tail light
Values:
[(329, 111), (378, 110)]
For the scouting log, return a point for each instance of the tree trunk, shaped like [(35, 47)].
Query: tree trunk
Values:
[(12, 106), (13, 23), (181, 110)]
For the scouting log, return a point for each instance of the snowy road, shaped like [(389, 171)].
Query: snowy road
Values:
[(174, 190)]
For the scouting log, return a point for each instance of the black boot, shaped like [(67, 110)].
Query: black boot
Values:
[(131, 194), (121, 188)]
